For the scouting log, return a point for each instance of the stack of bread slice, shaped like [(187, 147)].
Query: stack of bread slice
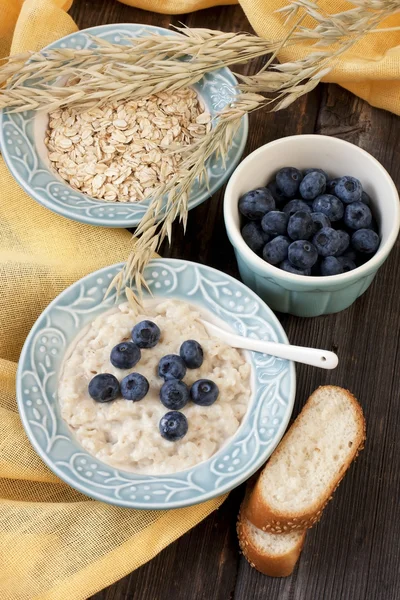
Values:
[(299, 480)]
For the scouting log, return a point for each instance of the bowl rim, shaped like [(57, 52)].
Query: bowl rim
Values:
[(309, 281), (224, 488), (105, 221)]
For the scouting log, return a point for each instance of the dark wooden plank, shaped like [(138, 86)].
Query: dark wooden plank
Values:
[(354, 551), (88, 13)]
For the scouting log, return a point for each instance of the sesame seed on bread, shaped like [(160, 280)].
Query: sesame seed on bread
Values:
[(272, 554), (308, 464)]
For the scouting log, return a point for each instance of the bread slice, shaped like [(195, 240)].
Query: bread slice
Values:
[(270, 553), (309, 463)]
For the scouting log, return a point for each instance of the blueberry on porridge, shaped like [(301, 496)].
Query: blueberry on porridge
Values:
[(104, 387), (173, 426), (204, 392), (174, 394), (192, 354), (171, 366), (125, 355), (134, 387), (146, 334)]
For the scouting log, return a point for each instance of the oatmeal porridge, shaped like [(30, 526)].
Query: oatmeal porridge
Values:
[(126, 434)]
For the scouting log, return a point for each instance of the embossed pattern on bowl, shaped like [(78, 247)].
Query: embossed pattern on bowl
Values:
[(22, 144), (273, 389)]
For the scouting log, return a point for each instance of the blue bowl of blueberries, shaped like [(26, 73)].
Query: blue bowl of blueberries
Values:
[(311, 219)]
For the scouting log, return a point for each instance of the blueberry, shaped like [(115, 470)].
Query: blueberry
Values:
[(173, 426), (331, 206), (146, 334), (349, 254), (171, 366), (254, 204), (289, 268), (320, 220), (365, 241), (344, 242), (288, 181), (331, 266), (347, 264), (330, 185), (348, 189), (313, 185), (125, 355), (275, 223), (307, 171), (365, 198), (174, 394), (254, 236), (192, 354), (134, 387), (295, 205), (302, 254), (357, 216), (104, 387), (300, 226), (204, 392), (276, 250), (276, 193), (327, 241)]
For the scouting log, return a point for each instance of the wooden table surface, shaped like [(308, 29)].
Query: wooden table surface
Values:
[(354, 552)]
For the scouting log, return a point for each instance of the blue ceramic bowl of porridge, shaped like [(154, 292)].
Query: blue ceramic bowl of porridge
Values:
[(270, 386)]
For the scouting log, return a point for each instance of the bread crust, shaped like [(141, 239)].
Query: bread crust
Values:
[(257, 510), (274, 566)]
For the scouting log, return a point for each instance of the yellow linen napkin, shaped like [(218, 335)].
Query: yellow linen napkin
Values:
[(371, 69), (54, 542)]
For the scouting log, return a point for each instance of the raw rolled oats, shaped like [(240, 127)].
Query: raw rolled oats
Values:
[(121, 151)]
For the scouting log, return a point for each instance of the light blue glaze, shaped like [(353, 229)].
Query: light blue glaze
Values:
[(273, 389), (31, 168), (299, 300)]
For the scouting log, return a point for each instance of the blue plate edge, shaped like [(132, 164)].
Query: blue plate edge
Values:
[(139, 505)]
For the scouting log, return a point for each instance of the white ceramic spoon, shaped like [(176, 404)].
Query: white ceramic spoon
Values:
[(308, 356)]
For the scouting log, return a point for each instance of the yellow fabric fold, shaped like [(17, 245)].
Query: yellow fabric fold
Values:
[(55, 543), (371, 69), (176, 7)]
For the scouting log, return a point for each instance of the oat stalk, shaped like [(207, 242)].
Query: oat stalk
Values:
[(156, 63), (276, 89), (110, 72)]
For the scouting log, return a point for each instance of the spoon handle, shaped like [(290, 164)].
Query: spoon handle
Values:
[(301, 354)]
